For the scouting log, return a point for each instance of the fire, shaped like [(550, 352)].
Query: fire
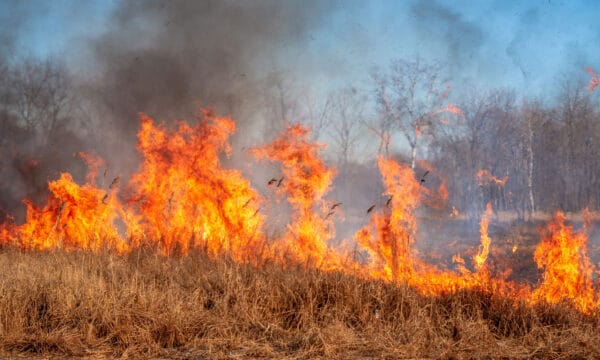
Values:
[(75, 217), (568, 271), (182, 198), (484, 251), (452, 109), (306, 179), (389, 236), (485, 177), (594, 81), (186, 199), (8, 232)]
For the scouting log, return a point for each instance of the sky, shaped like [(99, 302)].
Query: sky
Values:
[(523, 45)]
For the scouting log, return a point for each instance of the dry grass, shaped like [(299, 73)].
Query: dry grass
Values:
[(148, 306)]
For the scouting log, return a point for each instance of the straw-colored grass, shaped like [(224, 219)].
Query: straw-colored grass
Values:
[(149, 306)]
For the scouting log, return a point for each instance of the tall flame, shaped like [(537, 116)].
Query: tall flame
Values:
[(484, 251), (389, 235), (567, 276), (186, 199), (305, 180), (182, 198)]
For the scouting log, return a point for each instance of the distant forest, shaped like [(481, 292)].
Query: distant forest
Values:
[(495, 146)]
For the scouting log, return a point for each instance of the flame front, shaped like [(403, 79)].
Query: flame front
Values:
[(182, 198)]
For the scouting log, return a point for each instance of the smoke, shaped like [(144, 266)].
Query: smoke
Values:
[(461, 37), (161, 57)]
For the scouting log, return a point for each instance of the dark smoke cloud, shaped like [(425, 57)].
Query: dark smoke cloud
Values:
[(160, 57), (157, 57), (438, 23)]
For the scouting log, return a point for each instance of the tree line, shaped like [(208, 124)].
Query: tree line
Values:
[(521, 154)]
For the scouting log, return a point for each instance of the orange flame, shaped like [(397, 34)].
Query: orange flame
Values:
[(186, 199), (485, 177), (388, 237), (562, 254), (484, 251), (182, 198), (306, 179), (594, 81), (75, 217)]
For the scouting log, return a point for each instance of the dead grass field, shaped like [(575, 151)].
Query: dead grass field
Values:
[(76, 304)]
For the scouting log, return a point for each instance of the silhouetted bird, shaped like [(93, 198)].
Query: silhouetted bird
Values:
[(423, 177)]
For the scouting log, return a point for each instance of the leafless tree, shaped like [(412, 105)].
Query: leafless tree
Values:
[(281, 104), (317, 113), (411, 96), (41, 96), (346, 120)]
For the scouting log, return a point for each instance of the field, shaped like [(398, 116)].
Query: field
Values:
[(143, 305)]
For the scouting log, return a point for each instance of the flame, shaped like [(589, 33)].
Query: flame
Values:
[(484, 251), (451, 109), (391, 231), (306, 179), (182, 198), (8, 232), (594, 81), (567, 269), (485, 177), (389, 238), (75, 217), (186, 199)]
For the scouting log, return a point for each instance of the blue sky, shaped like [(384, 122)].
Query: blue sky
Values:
[(525, 45)]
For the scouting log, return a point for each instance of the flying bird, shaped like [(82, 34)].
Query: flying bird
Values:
[(246, 203), (114, 183), (423, 177), (335, 205), (371, 208)]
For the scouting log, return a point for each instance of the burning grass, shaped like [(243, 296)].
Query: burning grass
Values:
[(178, 264), (148, 305)]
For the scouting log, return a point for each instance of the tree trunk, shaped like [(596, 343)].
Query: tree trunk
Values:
[(413, 157), (530, 166)]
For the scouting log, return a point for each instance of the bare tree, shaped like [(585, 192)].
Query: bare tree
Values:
[(346, 119), (485, 140), (317, 114), (41, 96), (532, 117), (282, 104), (411, 97)]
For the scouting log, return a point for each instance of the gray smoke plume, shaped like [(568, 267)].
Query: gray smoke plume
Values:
[(163, 58)]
